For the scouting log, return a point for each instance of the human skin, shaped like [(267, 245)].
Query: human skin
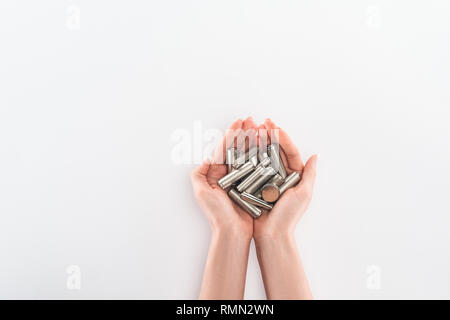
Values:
[(232, 228), (276, 248)]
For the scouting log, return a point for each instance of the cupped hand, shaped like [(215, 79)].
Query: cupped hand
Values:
[(291, 206), (222, 213)]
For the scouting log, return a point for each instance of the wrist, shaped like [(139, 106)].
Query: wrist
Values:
[(281, 237), (231, 233)]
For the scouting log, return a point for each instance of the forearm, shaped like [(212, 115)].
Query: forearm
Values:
[(281, 267), (226, 266)]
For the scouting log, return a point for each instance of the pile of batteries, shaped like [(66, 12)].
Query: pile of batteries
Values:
[(257, 178)]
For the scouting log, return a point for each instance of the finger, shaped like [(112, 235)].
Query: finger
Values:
[(263, 138), (248, 136), (198, 176), (228, 141), (308, 175), (291, 152), (249, 124)]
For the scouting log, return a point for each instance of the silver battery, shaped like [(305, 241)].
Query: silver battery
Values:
[(244, 157), (235, 175), (256, 201), (254, 160), (268, 173), (277, 162), (263, 155), (254, 211), (276, 180), (270, 192), (230, 159), (239, 160), (264, 162), (290, 181), (250, 179)]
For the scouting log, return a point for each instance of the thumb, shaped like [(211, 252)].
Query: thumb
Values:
[(309, 174), (198, 176)]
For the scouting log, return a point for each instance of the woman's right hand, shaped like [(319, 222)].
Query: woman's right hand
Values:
[(287, 211)]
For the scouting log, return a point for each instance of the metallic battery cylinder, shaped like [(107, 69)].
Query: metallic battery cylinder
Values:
[(268, 173), (243, 157), (290, 181), (240, 159), (254, 160), (276, 181), (250, 179), (277, 162), (263, 155), (264, 162), (230, 158), (234, 176), (271, 191), (256, 201), (254, 211), (253, 151)]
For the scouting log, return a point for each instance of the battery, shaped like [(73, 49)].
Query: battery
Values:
[(268, 173), (256, 201), (230, 159), (226, 181), (290, 181), (250, 179), (254, 211), (277, 163)]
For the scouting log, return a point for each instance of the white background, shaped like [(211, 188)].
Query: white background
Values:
[(87, 113)]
